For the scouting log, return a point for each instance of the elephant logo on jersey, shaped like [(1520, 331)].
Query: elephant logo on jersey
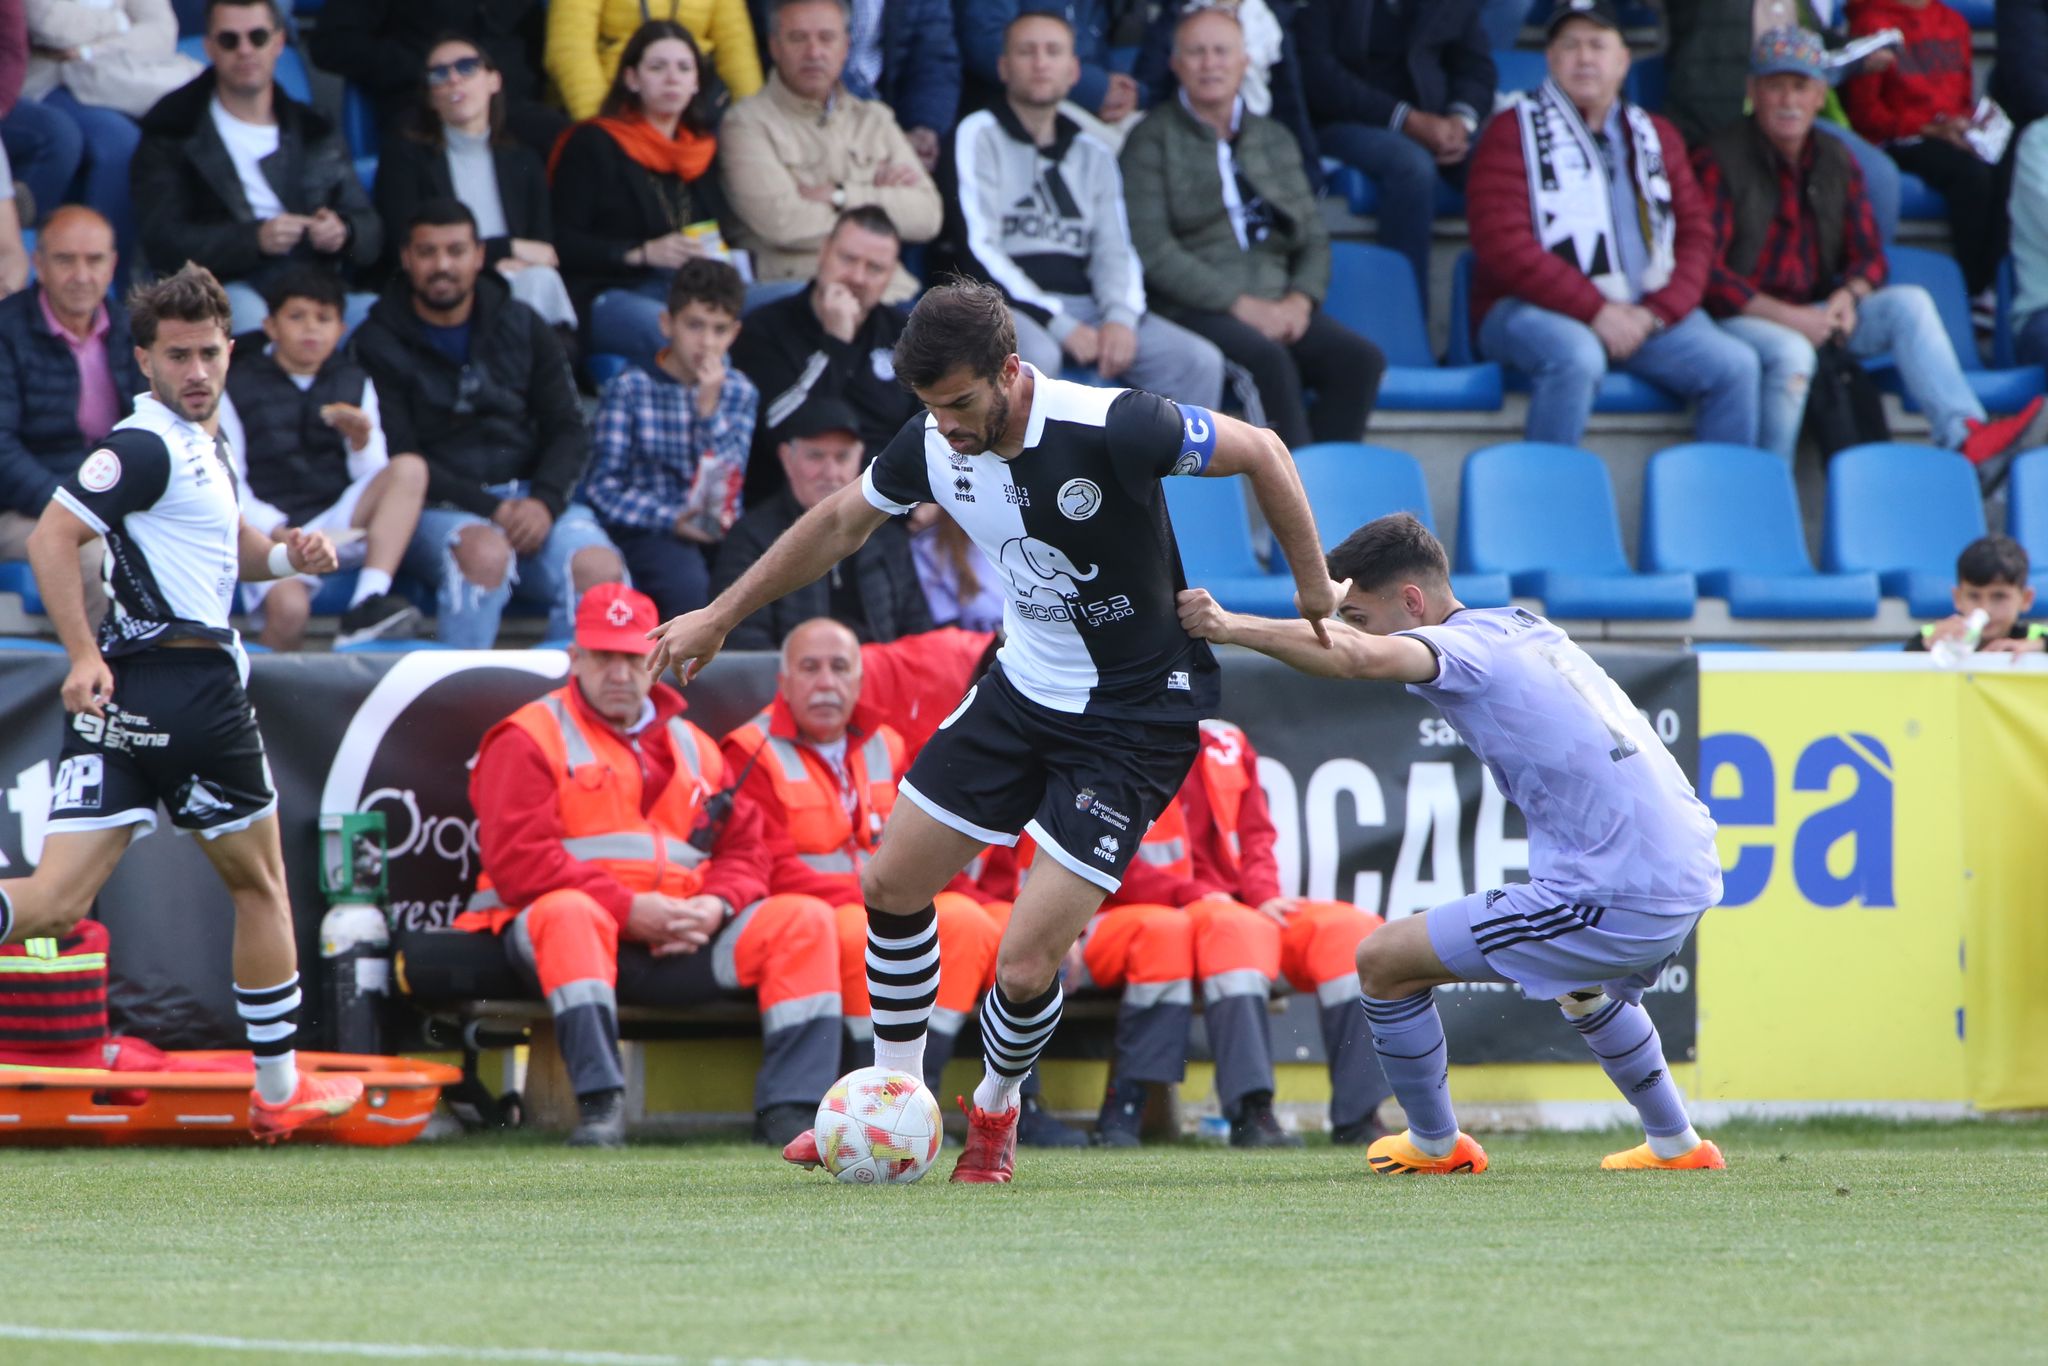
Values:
[(1035, 567), (1079, 499)]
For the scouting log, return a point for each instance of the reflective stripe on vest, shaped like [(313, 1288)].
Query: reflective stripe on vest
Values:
[(578, 749), (632, 844), (789, 758), (837, 861), (1163, 853)]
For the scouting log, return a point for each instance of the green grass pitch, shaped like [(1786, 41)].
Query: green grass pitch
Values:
[(1824, 1242)]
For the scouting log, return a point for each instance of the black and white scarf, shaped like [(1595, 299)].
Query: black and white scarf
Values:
[(1569, 198)]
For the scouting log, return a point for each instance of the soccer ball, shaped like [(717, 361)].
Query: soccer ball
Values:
[(876, 1127)]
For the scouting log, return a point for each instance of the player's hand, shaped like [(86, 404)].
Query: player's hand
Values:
[(88, 687), (686, 644), (1116, 348), (2014, 647), (1318, 604), (1280, 908), (1202, 617), (310, 551), (351, 421)]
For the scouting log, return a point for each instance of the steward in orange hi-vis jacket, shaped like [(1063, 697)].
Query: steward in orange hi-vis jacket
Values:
[(600, 820)]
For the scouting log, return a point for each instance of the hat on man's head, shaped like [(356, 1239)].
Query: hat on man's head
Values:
[(817, 415), (614, 617), (1601, 12), (1789, 52)]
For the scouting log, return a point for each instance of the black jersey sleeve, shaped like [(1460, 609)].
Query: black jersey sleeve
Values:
[(125, 473), (898, 480), (1152, 437)]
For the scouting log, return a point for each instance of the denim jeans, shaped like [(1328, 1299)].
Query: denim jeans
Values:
[(44, 148), (1880, 177), (1565, 360), (1900, 319), (627, 322), (1404, 173), (467, 615), (2032, 341), (108, 139)]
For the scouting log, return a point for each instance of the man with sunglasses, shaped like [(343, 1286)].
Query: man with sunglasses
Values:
[(238, 176)]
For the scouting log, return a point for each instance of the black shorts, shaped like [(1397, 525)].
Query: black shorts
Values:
[(1086, 788), (178, 730)]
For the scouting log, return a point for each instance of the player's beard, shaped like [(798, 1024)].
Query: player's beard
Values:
[(176, 403), (998, 419)]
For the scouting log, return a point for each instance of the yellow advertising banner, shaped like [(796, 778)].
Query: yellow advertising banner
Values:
[(2005, 853)]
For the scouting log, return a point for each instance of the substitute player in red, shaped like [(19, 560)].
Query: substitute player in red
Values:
[(1096, 688)]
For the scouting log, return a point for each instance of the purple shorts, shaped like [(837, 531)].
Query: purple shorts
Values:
[(1521, 934)]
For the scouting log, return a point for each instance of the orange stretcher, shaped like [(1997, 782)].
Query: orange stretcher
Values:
[(202, 1099)]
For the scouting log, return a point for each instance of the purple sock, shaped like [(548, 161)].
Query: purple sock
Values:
[(1408, 1034), (1625, 1041)]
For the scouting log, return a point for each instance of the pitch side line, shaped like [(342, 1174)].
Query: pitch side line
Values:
[(377, 1351)]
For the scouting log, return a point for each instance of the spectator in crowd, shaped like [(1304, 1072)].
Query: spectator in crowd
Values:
[(304, 433), (960, 586), (804, 149), (453, 145), (1919, 109), (381, 46), (563, 789), (903, 53), (1272, 73), (1041, 209), (1234, 244), (1103, 94), (587, 41), (67, 375), (823, 771), (834, 341), (874, 591), (1209, 859), (1797, 260), (2019, 78), (1992, 577), (242, 178), (475, 382), (1707, 70), (102, 64), (43, 147), (2030, 244), (1398, 91), (1602, 264), (14, 263), (669, 452), (633, 197)]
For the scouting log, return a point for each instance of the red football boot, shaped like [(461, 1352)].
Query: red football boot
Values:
[(316, 1098), (803, 1150), (990, 1157)]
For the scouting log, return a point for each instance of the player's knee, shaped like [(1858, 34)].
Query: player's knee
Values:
[(1379, 974), (1578, 1004), (593, 565), (887, 893), (1022, 974), (483, 556)]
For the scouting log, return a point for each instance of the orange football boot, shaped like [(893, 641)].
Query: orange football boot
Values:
[(1397, 1155), (314, 1099), (1705, 1158)]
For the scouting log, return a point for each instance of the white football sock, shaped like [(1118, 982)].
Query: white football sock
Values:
[(905, 1056), (997, 1094), (1675, 1145), (369, 584)]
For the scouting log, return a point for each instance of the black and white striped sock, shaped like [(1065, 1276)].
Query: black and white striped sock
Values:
[(903, 982), (1013, 1034), (271, 1017)]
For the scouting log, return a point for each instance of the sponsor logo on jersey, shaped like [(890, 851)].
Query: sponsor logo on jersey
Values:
[(1048, 585), (119, 730), (1177, 681), (963, 488), (1106, 848), (100, 472), (79, 783), (1079, 499)]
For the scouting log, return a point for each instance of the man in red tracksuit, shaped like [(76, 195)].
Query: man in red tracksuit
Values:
[(1212, 853), (603, 816)]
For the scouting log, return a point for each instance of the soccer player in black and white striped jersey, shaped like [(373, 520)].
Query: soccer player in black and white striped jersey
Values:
[(1086, 725)]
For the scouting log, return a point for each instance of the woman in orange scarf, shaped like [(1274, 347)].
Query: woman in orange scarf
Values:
[(630, 185)]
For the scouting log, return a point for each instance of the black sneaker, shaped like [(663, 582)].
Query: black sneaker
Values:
[(1359, 1133), (1256, 1126), (1123, 1115), (776, 1125), (1038, 1127), (384, 616), (602, 1122)]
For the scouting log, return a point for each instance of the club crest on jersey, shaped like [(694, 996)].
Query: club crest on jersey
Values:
[(1084, 799), (1190, 462), (1079, 499), (100, 472)]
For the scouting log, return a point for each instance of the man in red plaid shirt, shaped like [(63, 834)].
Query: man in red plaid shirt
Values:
[(1798, 261)]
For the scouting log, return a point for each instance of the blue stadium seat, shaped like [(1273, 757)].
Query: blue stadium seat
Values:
[(17, 577), (1730, 516), (1214, 530), (291, 68), (30, 645), (1363, 196), (1619, 392), (1724, 647), (1905, 512), (1646, 81), (1980, 13), (1373, 292), (1544, 515), (2000, 391), (2026, 517), (389, 647), (1518, 69), (604, 366), (335, 591), (1349, 483), (1918, 200), (2004, 343)]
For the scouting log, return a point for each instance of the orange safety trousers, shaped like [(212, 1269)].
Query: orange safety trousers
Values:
[(968, 937), (1317, 945)]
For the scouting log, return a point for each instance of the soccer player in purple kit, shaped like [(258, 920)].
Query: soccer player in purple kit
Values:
[(1621, 852)]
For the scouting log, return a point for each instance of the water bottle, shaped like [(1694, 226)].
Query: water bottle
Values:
[(1953, 650)]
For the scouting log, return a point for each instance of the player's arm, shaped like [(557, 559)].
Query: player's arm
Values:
[(53, 556), (1265, 462), (1349, 653), (822, 537), (298, 552)]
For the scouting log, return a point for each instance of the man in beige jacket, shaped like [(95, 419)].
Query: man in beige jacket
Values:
[(803, 149)]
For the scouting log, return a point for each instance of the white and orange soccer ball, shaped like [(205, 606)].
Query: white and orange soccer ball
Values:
[(878, 1127)]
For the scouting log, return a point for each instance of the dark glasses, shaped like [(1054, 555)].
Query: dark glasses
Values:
[(440, 73), (231, 39)]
